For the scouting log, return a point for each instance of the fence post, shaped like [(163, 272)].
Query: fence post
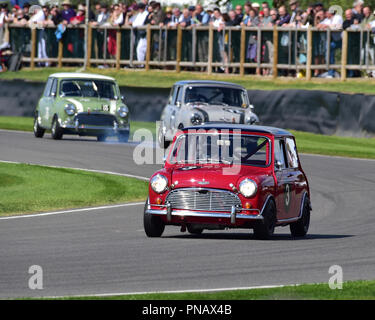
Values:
[(242, 50), (33, 47), (118, 48), (309, 53), (148, 52), (178, 49), (60, 54), (275, 51), (89, 45), (344, 54), (210, 48)]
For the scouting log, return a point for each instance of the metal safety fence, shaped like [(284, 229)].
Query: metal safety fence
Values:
[(276, 51)]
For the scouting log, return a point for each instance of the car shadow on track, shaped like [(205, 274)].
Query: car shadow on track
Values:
[(250, 236)]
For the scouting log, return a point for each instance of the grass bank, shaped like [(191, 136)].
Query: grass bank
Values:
[(352, 290), (31, 188), (165, 79), (306, 142)]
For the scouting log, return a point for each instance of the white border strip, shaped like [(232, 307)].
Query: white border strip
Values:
[(174, 291)]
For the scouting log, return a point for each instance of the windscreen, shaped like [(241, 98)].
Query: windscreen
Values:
[(225, 96), (88, 88), (221, 148)]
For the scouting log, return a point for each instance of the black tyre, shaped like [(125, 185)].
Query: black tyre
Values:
[(38, 131), (153, 225), (301, 226), (194, 229), (164, 144), (56, 130), (101, 138), (264, 229), (123, 137)]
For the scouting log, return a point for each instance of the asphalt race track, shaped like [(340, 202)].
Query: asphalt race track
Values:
[(106, 251)]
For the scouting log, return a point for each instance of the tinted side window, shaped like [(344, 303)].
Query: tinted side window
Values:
[(280, 153), (47, 89), (291, 153)]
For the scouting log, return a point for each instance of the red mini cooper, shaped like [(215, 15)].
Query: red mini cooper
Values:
[(219, 176)]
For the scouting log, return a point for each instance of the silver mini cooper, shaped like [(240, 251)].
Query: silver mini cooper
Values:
[(196, 102)]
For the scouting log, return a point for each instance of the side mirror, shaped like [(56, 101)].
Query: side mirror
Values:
[(178, 104), (251, 106), (278, 165), (122, 98), (53, 94)]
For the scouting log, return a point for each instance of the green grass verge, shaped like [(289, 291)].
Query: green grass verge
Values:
[(352, 290), (165, 79), (306, 142), (335, 145), (30, 188)]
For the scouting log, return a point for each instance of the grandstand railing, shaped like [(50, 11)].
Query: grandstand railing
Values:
[(275, 51)]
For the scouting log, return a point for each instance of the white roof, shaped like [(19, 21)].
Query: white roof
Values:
[(80, 75)]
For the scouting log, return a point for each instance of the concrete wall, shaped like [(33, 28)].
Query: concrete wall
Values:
[(312, 111)]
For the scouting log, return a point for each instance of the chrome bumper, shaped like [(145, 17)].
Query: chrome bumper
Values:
[(233, 215)]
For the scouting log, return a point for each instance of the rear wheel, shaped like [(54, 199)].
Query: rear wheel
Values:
[(56, 130), (123, 137), (153, 225), (264, 229), (38, 131), (101, 138), (301, 226)]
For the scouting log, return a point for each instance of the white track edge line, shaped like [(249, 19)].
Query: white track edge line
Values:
[(81, 169), (174, 291), (43, 214)]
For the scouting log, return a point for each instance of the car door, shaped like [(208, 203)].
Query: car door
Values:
[(175, 109), (166, 114), (44, 103), (285, 182), (295, 176), (52, 108)]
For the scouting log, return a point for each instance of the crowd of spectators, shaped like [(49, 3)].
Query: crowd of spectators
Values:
[(250, 14)]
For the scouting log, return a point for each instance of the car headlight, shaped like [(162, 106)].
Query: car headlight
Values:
[(159, 183), (248, 188), (123, 111), (196, 118), (70, 109)]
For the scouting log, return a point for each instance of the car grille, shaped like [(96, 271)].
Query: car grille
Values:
[(95, 119), (203, 199)]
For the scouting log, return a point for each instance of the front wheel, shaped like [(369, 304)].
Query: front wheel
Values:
[(264, 229), (38, 131), (193, 229), (301, 226), (153, 225), (56, 130)]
